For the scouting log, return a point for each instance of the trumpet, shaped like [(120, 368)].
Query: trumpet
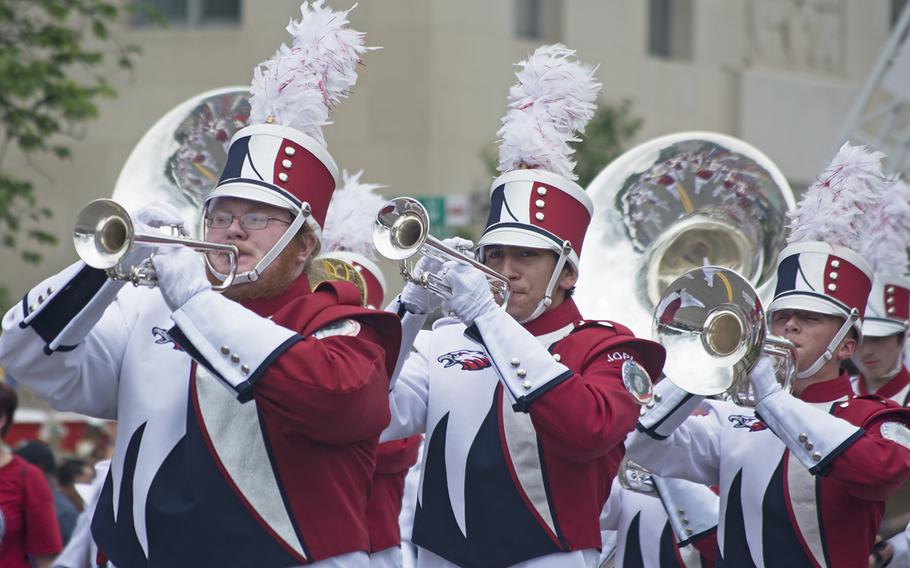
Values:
[(712, 323), (402, 230), (105, 234)]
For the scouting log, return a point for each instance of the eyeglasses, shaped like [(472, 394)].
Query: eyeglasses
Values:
[(253, 220)]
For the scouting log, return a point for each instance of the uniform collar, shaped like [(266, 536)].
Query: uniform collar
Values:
[(828, 391), (562, 316), (889, 389), (265, 307)]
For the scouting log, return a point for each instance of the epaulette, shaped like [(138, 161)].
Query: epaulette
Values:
[(868, 407), (617, 328)]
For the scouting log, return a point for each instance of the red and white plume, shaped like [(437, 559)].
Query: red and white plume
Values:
[(301, 84), (553, 100), (835, 209), (349, 222), (886, 249)]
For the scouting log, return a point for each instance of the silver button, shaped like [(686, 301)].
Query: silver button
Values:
[(539, 216), (541, 191), (50, 290), (282, 176), (245, 369), (891, 310), (889, 300), (225, 349), (515, 362), (235, 358), (889, 289), (681, 512), (809, 446), (832, 287), (832, 275), (844, 404), (540, 203), (688, 532), (650, 403), (802, 438), (290, 150), (643, 411), (40, 299), (835, 263), (557, 357), (526, 385), (685, 522), (286, 164), (31, 308), (521, 373), (657, 397), (816, 456)]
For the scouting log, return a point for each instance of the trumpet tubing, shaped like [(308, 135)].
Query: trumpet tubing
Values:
[(402, 231), (105, 234)]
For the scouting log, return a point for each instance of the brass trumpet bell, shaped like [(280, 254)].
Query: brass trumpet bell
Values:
[(105, 234), (712, 324), (402, 231)]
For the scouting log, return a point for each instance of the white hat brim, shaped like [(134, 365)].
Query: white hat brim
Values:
[(516, 237)]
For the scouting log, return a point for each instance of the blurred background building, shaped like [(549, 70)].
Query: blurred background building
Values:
[(780, 74)]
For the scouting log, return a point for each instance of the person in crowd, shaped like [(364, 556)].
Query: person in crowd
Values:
[(248, 420), (31, 534), (523, 405), (803, 476)]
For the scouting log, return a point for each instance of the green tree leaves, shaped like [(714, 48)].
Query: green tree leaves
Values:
[(54, 59)]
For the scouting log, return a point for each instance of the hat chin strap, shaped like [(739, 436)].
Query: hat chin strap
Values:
[(832, 346), (253, 274), (547, 301)]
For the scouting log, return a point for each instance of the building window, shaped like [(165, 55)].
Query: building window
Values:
[(192, 13), (670, 28), (538, 20)]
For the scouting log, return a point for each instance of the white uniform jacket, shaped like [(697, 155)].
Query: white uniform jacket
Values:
[(232, 429), (524, 434)]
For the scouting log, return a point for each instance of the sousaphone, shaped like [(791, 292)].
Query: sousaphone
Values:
[(676, 203)]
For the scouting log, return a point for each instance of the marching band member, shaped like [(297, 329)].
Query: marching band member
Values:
[(803, 477), (248, 422), (661, 522), (645, 535), (880, 356), (346, 237), (523, 406)]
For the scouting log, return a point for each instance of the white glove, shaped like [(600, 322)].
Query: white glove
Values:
[(418, 298), (181, 275), (471, 295), (763, 379), (156, 217)]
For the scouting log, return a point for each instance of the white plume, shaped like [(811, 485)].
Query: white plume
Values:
[(835, 208), (349, 221), (300, 84), (886, 249), (552, 100)]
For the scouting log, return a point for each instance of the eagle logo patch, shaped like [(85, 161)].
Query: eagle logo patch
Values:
[(751, 423), (162, 337), (469, 359)]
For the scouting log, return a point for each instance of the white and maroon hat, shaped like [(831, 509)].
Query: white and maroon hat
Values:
[(822, 278), (535, 203), (888, 310), (280, 166), (372, 276), (537, 209), (281, 159)]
